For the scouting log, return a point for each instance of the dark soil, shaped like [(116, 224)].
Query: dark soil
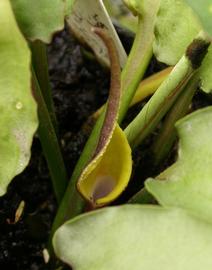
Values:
[(79, 86)]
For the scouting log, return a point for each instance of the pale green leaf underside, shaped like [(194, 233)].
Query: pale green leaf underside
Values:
[(135, 237), (18, 120), (176, 26), (188, 182), (39, 19), (204, 9)]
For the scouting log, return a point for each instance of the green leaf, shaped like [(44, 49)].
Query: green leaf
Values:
[(187, 183), (135, 237), (18, 120), (39, 19), (175, 27), (205, 72), (204, 9)]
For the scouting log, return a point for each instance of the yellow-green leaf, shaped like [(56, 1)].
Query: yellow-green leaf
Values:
[(39, 19), (18, 120)]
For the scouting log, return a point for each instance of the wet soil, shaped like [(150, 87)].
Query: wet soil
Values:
[(80, 86)]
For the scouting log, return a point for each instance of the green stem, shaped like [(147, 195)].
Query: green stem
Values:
[(40, 64), (167, 93), (137, 63), (50, 143), (160, 103), (146, 87), (168, 133)]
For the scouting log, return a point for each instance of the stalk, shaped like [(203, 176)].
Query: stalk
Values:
[(160, 103), (167, 93), (40, 65), (137, 63), (168, 134), (146, 88), (49, 142), (149, 86)]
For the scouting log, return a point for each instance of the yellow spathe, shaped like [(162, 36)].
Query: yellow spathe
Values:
[(108, 174)]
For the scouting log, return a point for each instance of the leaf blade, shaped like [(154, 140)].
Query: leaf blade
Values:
[(18, 121), (39, 19), (175, 27), (187, 183), (129, 236)]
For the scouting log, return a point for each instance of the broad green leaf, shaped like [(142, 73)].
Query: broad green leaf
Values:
[(204, 9), (135, 237), (18, 120), (39, 19), (175, 27), (187, 183), (108, 172)]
